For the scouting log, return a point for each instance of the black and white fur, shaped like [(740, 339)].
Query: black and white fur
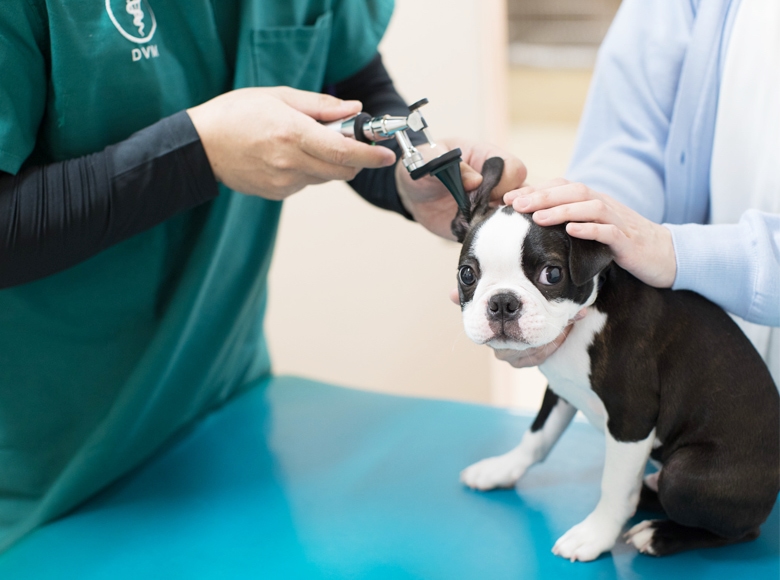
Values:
[(664, 374)]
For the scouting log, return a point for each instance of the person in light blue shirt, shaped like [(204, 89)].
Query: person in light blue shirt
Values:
[(678, 86)]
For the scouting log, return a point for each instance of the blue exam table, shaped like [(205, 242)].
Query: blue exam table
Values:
[(296, 479)]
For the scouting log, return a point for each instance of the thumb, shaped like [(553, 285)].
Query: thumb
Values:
[(471, 177), (454, 296), (318, 106)]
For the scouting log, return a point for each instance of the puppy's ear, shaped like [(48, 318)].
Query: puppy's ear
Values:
[(586, 259), (479, 199), (460, 226)]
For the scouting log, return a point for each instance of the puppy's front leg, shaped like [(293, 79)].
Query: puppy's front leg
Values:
[(621, 482), (505, 470)]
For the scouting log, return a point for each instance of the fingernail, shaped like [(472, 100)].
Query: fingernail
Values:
[(541, 216), (521, 203), (389, 156)]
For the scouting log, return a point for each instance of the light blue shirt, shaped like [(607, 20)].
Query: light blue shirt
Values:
[(646, 139)]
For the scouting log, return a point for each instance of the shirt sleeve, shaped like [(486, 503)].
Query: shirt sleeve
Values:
[(23, 84), (620, 147), (737, 266), (52, 217)]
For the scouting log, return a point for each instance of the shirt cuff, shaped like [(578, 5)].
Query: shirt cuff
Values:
[(717, 262)]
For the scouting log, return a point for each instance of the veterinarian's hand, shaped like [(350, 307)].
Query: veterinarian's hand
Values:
[(267, 141), (639, 245), (428, 200)]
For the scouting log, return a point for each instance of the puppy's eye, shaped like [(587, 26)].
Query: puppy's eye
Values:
[(550, 275), (467, 276)]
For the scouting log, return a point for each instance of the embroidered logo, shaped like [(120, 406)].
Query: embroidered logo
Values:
[(133, 19)]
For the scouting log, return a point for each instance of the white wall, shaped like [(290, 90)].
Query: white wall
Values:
[(358, 296)]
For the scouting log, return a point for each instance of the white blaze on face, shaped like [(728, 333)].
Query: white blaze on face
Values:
[(498, 246)]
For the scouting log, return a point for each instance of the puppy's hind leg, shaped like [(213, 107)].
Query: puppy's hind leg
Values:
[(707, 507), (648, 500), (663, 537), (505, 470)]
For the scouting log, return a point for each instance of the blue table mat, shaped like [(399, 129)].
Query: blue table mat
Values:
[(297, 479)]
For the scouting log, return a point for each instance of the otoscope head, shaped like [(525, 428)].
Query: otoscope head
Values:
[(446, 168)]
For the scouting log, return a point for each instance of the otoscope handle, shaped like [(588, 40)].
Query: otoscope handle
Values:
[(352, 127), (368, 129)]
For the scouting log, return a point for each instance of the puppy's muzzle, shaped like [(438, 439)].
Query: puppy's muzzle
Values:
[(504, 307)]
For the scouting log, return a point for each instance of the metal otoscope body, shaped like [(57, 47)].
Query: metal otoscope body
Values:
[(368, 129), (446, 167)]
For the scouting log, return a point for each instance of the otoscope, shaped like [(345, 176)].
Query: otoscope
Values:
[(445, 167)]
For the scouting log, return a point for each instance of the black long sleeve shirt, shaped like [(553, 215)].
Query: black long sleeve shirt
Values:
[(54, 216)]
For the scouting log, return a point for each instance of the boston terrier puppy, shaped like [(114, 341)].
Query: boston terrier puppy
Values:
[(664, 374)]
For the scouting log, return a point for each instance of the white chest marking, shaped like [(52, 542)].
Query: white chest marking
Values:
[(568, 369)]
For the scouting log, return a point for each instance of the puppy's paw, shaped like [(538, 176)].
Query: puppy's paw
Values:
[(588, 539), (663, 537), (494, 473), (641, 536)]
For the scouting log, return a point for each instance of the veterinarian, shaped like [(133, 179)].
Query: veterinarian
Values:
[(682, 128), (133, 272)]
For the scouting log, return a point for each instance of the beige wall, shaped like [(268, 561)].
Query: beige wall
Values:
[(358, 296), (549, 97)]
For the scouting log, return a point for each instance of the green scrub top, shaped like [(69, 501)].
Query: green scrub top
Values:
[(103, 363)]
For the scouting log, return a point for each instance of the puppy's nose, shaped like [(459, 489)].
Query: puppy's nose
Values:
[(504, 306)]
